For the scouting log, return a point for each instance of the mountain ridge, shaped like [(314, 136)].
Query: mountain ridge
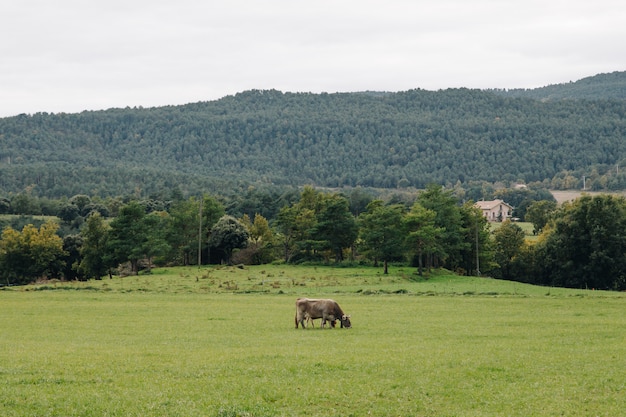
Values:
[(368, 139), (597, 87)]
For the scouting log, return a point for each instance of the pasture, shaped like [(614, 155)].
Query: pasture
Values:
[(221, 342)]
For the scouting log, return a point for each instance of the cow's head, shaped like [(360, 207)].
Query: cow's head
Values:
[(345, 321)]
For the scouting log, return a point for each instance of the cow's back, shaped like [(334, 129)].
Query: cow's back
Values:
[(314, 308), (311, 306)]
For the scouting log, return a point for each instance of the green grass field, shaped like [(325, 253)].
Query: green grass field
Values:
[(221, 342), (527, 227)]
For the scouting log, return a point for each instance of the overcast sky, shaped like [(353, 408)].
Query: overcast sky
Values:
[(74, 55)]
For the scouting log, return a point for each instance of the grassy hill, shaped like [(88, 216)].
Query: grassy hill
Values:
[(298, 279)]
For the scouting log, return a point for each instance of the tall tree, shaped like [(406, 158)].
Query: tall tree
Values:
[(538, 213), (212, 211), (448, 218), (128, 235), (72, 245), (424, 237), (228, 234), (359, 201), (183, 230), (382, 232), (155, 243), (294, 225), (477, 254), (336, 226), (509, 242), (95, 233), (261, 241)]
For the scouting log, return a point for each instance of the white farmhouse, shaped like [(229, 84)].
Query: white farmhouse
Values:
[(495, 210)]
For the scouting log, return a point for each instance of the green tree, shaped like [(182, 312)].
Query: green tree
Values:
[(135, 235), (95, 233), (294, 225), (128, 235), (336, 226), (310, 199), (478, 253), (228, 234), (31, 254), (359, 201), (212, 211), (93, 207), (183, 229), (155, 243), (69, 213), (72, 245), (509, 242), (585, 246), (261, 241), (5, 205), (539, 213), (423, 236), (24, 203), (80, 201), (382, 232), (447, 218)]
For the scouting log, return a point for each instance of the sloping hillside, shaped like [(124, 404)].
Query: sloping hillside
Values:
[(361, 139), (598, 87)]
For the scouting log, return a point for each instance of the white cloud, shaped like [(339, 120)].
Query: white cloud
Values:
[(71, 55)]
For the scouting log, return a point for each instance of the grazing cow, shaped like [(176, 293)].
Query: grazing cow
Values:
[(328, 310)]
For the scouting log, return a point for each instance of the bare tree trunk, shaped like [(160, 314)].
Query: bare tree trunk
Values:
[(419, 263)]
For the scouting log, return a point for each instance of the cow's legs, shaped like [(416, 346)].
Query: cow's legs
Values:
[(330, 319), (300, 321)]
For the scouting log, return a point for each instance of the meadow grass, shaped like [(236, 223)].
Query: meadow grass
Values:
[(221, 342), (526, 227)]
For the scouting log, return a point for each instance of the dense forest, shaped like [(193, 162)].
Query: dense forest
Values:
[(453, 137)]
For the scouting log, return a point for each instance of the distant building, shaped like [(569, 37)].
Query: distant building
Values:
[(495, 210)]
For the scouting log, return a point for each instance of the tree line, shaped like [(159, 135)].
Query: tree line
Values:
[(315, 227), (581, 244)]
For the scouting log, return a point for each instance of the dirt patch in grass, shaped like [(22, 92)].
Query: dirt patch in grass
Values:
[(569, 195)]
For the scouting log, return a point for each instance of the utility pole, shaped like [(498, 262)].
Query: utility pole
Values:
[(477, 257), (200, 233)]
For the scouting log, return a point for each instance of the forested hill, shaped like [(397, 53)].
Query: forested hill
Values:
[(598, 87), (385, 140)]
